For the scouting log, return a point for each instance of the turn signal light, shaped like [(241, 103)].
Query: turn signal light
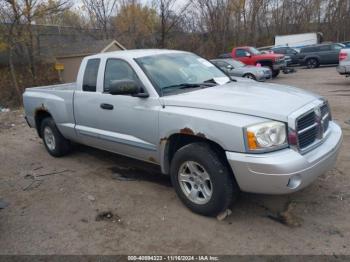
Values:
[(251, 141)]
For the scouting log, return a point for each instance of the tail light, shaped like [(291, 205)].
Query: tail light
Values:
[(342, 55)]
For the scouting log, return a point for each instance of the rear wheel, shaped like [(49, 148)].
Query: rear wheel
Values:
[(53, 140), (201, 180), (312, 63), (250, 76)]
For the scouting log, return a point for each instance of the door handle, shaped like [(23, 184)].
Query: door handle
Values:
[(106, 106)]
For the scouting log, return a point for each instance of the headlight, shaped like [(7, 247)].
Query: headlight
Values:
[(267, 136), (261, 72)]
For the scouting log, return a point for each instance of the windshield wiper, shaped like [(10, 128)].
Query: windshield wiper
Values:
[(182, 86), (207, 83)]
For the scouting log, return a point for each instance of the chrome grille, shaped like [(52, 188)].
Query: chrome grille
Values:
[(312, 126), (306, 121), (307, 138)]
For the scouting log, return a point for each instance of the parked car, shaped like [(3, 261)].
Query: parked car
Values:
[(251, 56), (225, 55), (236, 68), (344, 62), (347, 44), (291, 54), (316, 55), (177, 110)]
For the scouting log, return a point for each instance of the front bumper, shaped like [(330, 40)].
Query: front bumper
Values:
[(264, 77), (279, 65), (285, 171)]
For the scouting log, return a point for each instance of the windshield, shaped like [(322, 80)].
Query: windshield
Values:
[(237, 64), (254, 51), (176, 69)]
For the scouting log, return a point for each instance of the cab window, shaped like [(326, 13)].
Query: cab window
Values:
[(90, 75), (117, 69), (241, 53)]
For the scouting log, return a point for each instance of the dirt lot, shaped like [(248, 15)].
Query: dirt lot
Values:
[(58, 206)]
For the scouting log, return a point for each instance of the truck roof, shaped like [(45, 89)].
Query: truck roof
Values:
[(244, 47), (135, 53)]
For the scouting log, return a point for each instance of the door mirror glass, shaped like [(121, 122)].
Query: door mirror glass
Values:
[(124, 87)]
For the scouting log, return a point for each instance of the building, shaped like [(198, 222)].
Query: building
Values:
[(62, 48), (68, 58)]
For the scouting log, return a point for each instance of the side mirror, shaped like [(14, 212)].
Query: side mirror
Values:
[(248, 54), (125, 87), (229, 67)]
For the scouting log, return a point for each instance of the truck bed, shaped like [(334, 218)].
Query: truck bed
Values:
[(56, 99), (60, 87)]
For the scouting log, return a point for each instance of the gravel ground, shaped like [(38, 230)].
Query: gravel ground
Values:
[(78, 205)]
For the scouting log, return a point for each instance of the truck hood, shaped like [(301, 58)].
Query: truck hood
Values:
[(270, 101)]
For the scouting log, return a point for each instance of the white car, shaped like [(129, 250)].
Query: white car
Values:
[(344, 62)]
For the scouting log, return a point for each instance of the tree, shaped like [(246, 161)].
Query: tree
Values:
[(100, 13), (17, 19), (169, 19), (136, 24)]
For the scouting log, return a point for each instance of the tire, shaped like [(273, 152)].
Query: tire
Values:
[(250, 76), (54, 142), (207, 164), (275, 73), (312, 63)]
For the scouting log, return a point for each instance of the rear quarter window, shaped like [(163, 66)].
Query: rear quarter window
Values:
[(90, 75), (309, 50), (325, 48)]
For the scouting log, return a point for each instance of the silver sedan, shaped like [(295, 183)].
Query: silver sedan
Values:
[(236, 68)]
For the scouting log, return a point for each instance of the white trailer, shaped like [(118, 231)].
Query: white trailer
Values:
[(298, 40)]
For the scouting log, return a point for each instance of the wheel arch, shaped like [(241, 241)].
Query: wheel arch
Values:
[(249, 73), (170, 145), (313, 57), (265, 62), (40, 115)]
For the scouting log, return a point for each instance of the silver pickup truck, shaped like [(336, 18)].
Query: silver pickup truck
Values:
[(214, 136)]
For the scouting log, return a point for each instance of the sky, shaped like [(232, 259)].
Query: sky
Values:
[(178, 4)]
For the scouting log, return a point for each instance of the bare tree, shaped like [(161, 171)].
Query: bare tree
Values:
[(169, 19), (17, 19), (100, 12)]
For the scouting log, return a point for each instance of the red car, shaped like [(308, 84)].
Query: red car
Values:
[(251, 56)]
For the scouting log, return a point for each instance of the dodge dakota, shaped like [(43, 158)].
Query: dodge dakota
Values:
[(215, 137)]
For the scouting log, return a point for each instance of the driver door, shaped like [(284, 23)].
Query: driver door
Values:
[(122, 124)]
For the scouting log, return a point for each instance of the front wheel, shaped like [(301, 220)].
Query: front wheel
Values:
[(250, 76), (53, 140), (201, 180), (312, 63)]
